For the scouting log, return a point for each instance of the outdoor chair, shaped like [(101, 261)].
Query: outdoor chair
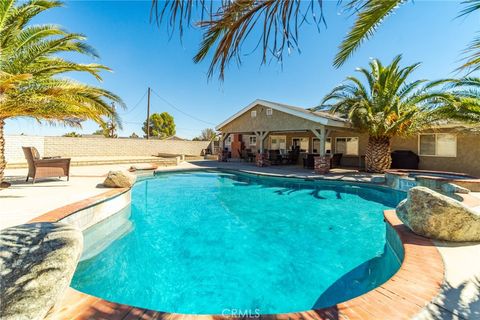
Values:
[(295, 155), (335, 160), (275, 157), (45, 167), (309, 161)]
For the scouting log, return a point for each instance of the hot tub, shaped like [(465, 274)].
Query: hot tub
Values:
[(404, 179)]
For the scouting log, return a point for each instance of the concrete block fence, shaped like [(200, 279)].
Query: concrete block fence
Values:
[(98, 147)]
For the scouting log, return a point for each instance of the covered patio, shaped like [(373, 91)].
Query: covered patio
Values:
[(269, 133)]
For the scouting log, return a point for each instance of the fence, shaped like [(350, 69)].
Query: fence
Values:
[(93, 147)]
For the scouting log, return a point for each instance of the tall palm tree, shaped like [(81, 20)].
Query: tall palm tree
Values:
[(386, 105), (30, 72), (227, 24)]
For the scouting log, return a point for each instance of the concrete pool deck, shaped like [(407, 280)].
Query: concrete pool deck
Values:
[(459, 297)]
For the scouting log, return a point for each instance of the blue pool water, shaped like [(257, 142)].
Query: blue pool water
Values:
[(212, 242)]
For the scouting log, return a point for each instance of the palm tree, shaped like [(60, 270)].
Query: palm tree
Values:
[(227, 24), (386, 105), (30, 72), (207, 134)]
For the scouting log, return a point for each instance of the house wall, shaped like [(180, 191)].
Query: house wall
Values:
[(277, 121), (91, 147), (466, 161)]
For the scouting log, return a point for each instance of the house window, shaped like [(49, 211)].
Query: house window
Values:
[(328, 145), (252, 141), (300, 142), (437, 145), (253, 113), (269, 111), (348, 146), (278, 143)]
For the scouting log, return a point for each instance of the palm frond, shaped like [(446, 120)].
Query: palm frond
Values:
[(387, 104), (32, 82), (471, 56), (371, 15), (227, 26), (470, 6)]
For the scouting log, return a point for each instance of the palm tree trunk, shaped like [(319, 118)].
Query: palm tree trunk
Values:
[(377, 156), (2, 150)]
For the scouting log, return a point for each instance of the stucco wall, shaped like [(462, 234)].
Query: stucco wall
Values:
[(85, 147), (466, 161)]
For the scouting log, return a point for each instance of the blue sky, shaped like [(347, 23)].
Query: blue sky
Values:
[(141, 55)]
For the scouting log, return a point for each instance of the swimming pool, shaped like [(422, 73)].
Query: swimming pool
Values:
[(213, 242)]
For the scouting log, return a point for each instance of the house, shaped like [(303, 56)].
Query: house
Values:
[(265, 125), (174, 138)]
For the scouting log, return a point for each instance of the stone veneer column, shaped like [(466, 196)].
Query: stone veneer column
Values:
[(261, 160), (223, 156), (322, 164)]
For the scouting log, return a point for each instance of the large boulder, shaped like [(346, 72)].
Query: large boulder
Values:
[(119, 179), (37, 262), (433, 215)]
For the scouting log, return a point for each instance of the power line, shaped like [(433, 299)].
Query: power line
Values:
[(179, 128), (179, 110), (136, 105)]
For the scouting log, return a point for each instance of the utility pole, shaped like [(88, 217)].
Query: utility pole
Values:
[(148, 114)]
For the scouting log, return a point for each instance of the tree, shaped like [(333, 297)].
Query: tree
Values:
[(72, 134), (161, 125), (107, 129), (134, 136), (228, 24), (386, 105), (31, 69), (99, 132), (207, 134)]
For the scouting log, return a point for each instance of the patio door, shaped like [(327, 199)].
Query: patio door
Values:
[(301, 143)]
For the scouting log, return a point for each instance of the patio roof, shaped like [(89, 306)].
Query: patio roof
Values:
[(322, 118)]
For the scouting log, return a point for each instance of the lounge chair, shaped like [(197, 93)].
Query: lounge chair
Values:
[(45, 167)]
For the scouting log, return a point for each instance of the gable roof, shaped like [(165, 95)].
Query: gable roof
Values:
[(174, 137), (320, 117)]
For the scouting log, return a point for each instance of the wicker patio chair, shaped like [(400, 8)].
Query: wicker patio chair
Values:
[(45, 167)]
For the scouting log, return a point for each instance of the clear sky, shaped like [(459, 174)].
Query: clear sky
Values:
[(141, 55)]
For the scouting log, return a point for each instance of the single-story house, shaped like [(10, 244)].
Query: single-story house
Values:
[(174, 138), (265, 125)]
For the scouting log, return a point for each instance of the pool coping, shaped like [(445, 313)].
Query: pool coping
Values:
[(405, 173), (404, 295)]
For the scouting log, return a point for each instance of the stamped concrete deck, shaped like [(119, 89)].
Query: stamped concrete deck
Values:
[(459, 298)]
